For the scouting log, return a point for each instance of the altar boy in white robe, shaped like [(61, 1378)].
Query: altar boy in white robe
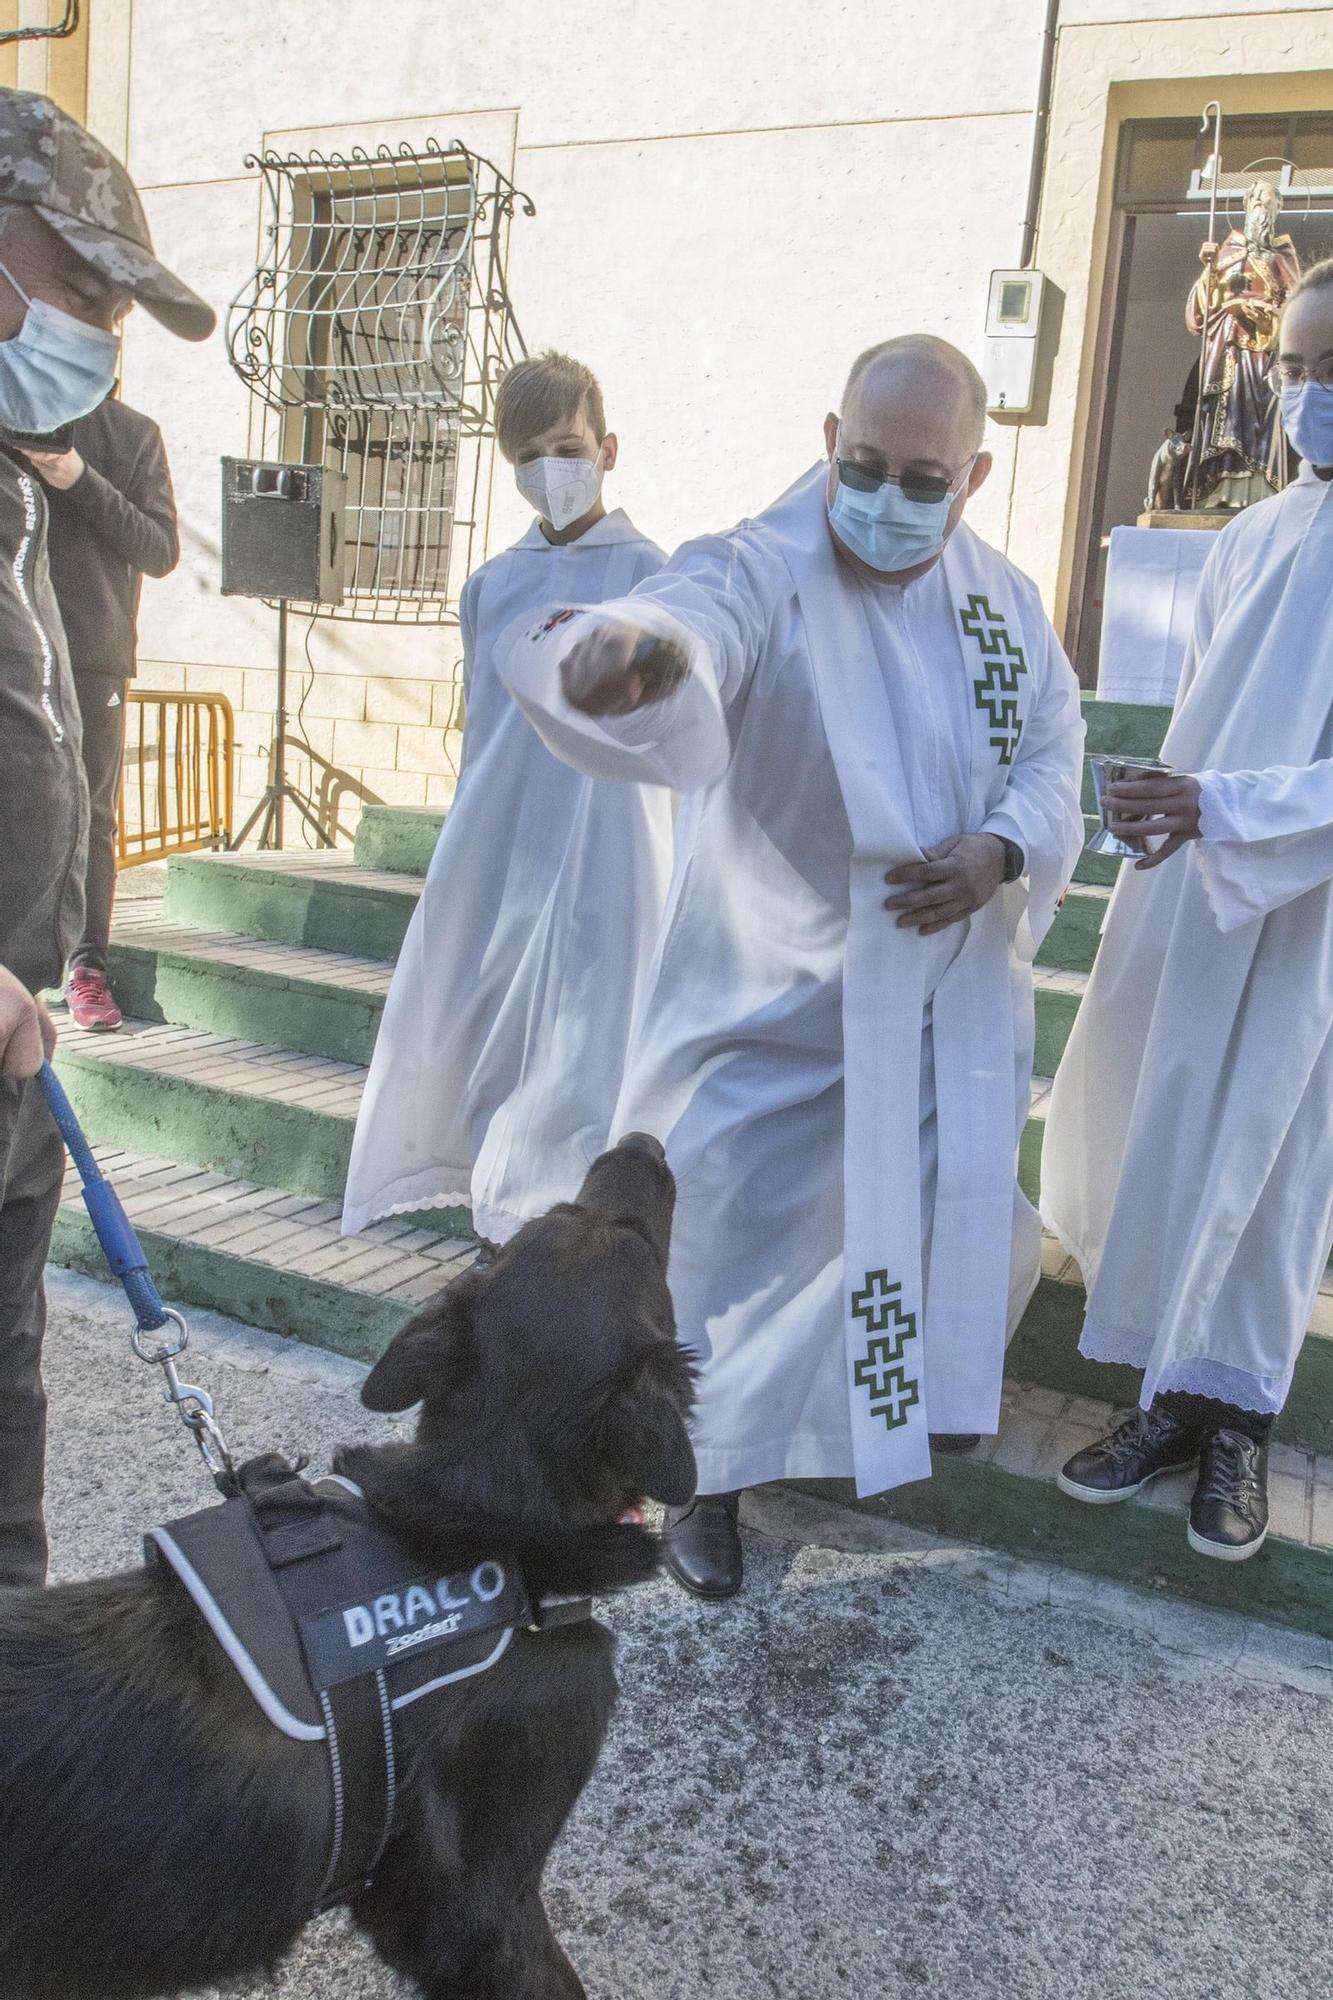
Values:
[(1189, 1149), (500, 1055), (875, 731)]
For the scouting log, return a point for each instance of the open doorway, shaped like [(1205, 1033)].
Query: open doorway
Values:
[(1149, 354)]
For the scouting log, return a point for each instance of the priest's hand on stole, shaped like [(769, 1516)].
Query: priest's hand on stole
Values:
[(618, 667), (951, 882), (1161, 805)]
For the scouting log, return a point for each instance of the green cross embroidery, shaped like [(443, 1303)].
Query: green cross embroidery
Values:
[(996, 689), (879, 1372)]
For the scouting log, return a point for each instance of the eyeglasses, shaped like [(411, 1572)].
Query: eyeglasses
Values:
[(926, 487), (1294, 375)]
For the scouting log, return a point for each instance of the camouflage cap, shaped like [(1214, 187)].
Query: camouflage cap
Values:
[(48, 160)]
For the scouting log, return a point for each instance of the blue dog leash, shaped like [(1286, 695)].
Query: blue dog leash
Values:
[(125, 1255)]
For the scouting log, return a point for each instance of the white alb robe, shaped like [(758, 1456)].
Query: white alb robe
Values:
[(1188, 1162), (828, 730), (500, 1054)]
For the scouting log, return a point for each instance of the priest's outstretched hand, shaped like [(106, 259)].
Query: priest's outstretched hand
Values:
[(1161, 805), (951, 882), (619, 667)]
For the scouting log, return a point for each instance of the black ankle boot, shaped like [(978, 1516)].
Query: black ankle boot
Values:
[(702, 1545)]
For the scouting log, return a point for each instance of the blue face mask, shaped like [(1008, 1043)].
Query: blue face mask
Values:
[(886, 529), (1307, 418), (54, 369)]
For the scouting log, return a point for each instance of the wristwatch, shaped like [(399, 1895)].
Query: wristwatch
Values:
[(1015, 861)]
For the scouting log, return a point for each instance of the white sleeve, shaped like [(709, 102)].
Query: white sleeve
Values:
[(711, 600), (1267, 838), (1258, 806), (1205, 618), (467, 627), (1041, 809)]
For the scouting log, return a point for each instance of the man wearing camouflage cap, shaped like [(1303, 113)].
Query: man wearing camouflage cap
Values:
[(75, 255)]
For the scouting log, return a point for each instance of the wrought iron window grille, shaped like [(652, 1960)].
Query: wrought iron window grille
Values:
[(373, 335), (57, 31)]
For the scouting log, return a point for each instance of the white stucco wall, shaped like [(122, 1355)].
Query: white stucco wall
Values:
[(733, 197)]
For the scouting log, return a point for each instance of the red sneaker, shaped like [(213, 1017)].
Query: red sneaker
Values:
[(90, 1001)]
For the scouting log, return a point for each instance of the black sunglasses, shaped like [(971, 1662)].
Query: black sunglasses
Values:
[(926, 487)]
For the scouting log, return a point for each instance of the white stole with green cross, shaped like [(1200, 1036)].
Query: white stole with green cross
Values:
[(898, 1341)]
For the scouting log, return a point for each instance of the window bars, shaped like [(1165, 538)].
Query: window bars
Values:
[(373, 336), (56, 31)]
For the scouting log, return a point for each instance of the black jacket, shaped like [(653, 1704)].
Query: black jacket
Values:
[(43, 794), (113, 527)]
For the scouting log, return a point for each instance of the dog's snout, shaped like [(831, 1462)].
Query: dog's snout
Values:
[(644, 1142)]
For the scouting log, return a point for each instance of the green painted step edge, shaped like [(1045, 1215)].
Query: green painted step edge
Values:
[(346, 1321), (1135, 729), (401, 839), (1096, 870), (291, 1012), (289, 1146), (1055, 1021), (1285, 1583), (366, 919), (1070, 945), (253, 1005), (371, 921), (305, 1151)]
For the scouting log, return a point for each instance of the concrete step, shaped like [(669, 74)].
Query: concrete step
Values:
[(318, 1002), (399, 838), (1004, 1495), (263, 1115), (1071, 943), (275, 1115), (1058, 995), (329, 1003), (320, 899), (273, 1259), (1133, 728)]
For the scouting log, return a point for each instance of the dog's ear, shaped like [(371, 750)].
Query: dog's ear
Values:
[(644, 1437), (434, 1350)]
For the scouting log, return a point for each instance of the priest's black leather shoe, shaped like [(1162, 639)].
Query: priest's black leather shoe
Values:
[(702, 1545), (1143, 1446), (1229, 1511), (949, 1442)]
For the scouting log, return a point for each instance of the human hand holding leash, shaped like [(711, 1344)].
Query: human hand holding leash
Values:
[(27, 1032)]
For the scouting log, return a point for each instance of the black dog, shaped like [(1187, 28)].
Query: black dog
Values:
[(157, 1834)]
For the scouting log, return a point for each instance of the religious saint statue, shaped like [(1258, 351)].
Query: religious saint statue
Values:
[(1235, 306)]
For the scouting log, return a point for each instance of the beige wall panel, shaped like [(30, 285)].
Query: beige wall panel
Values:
[(1083, 13), (721, 288), (584, 72)]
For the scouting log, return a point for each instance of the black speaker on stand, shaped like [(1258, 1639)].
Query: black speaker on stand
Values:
[(282, 540)]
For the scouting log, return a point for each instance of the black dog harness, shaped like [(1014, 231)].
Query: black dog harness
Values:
[(335, 1629)]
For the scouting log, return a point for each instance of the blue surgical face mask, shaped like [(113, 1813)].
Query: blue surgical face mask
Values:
[(886, 529), (1307, 418), (54, 369)]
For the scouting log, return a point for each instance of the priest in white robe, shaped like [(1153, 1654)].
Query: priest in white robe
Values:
[(878, 740), (500, 1055), (1189, 1148)]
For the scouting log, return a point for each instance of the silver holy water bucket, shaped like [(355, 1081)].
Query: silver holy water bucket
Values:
[(1107, 771)]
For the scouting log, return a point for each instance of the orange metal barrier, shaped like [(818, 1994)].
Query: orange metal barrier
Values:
[(177, 787)]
